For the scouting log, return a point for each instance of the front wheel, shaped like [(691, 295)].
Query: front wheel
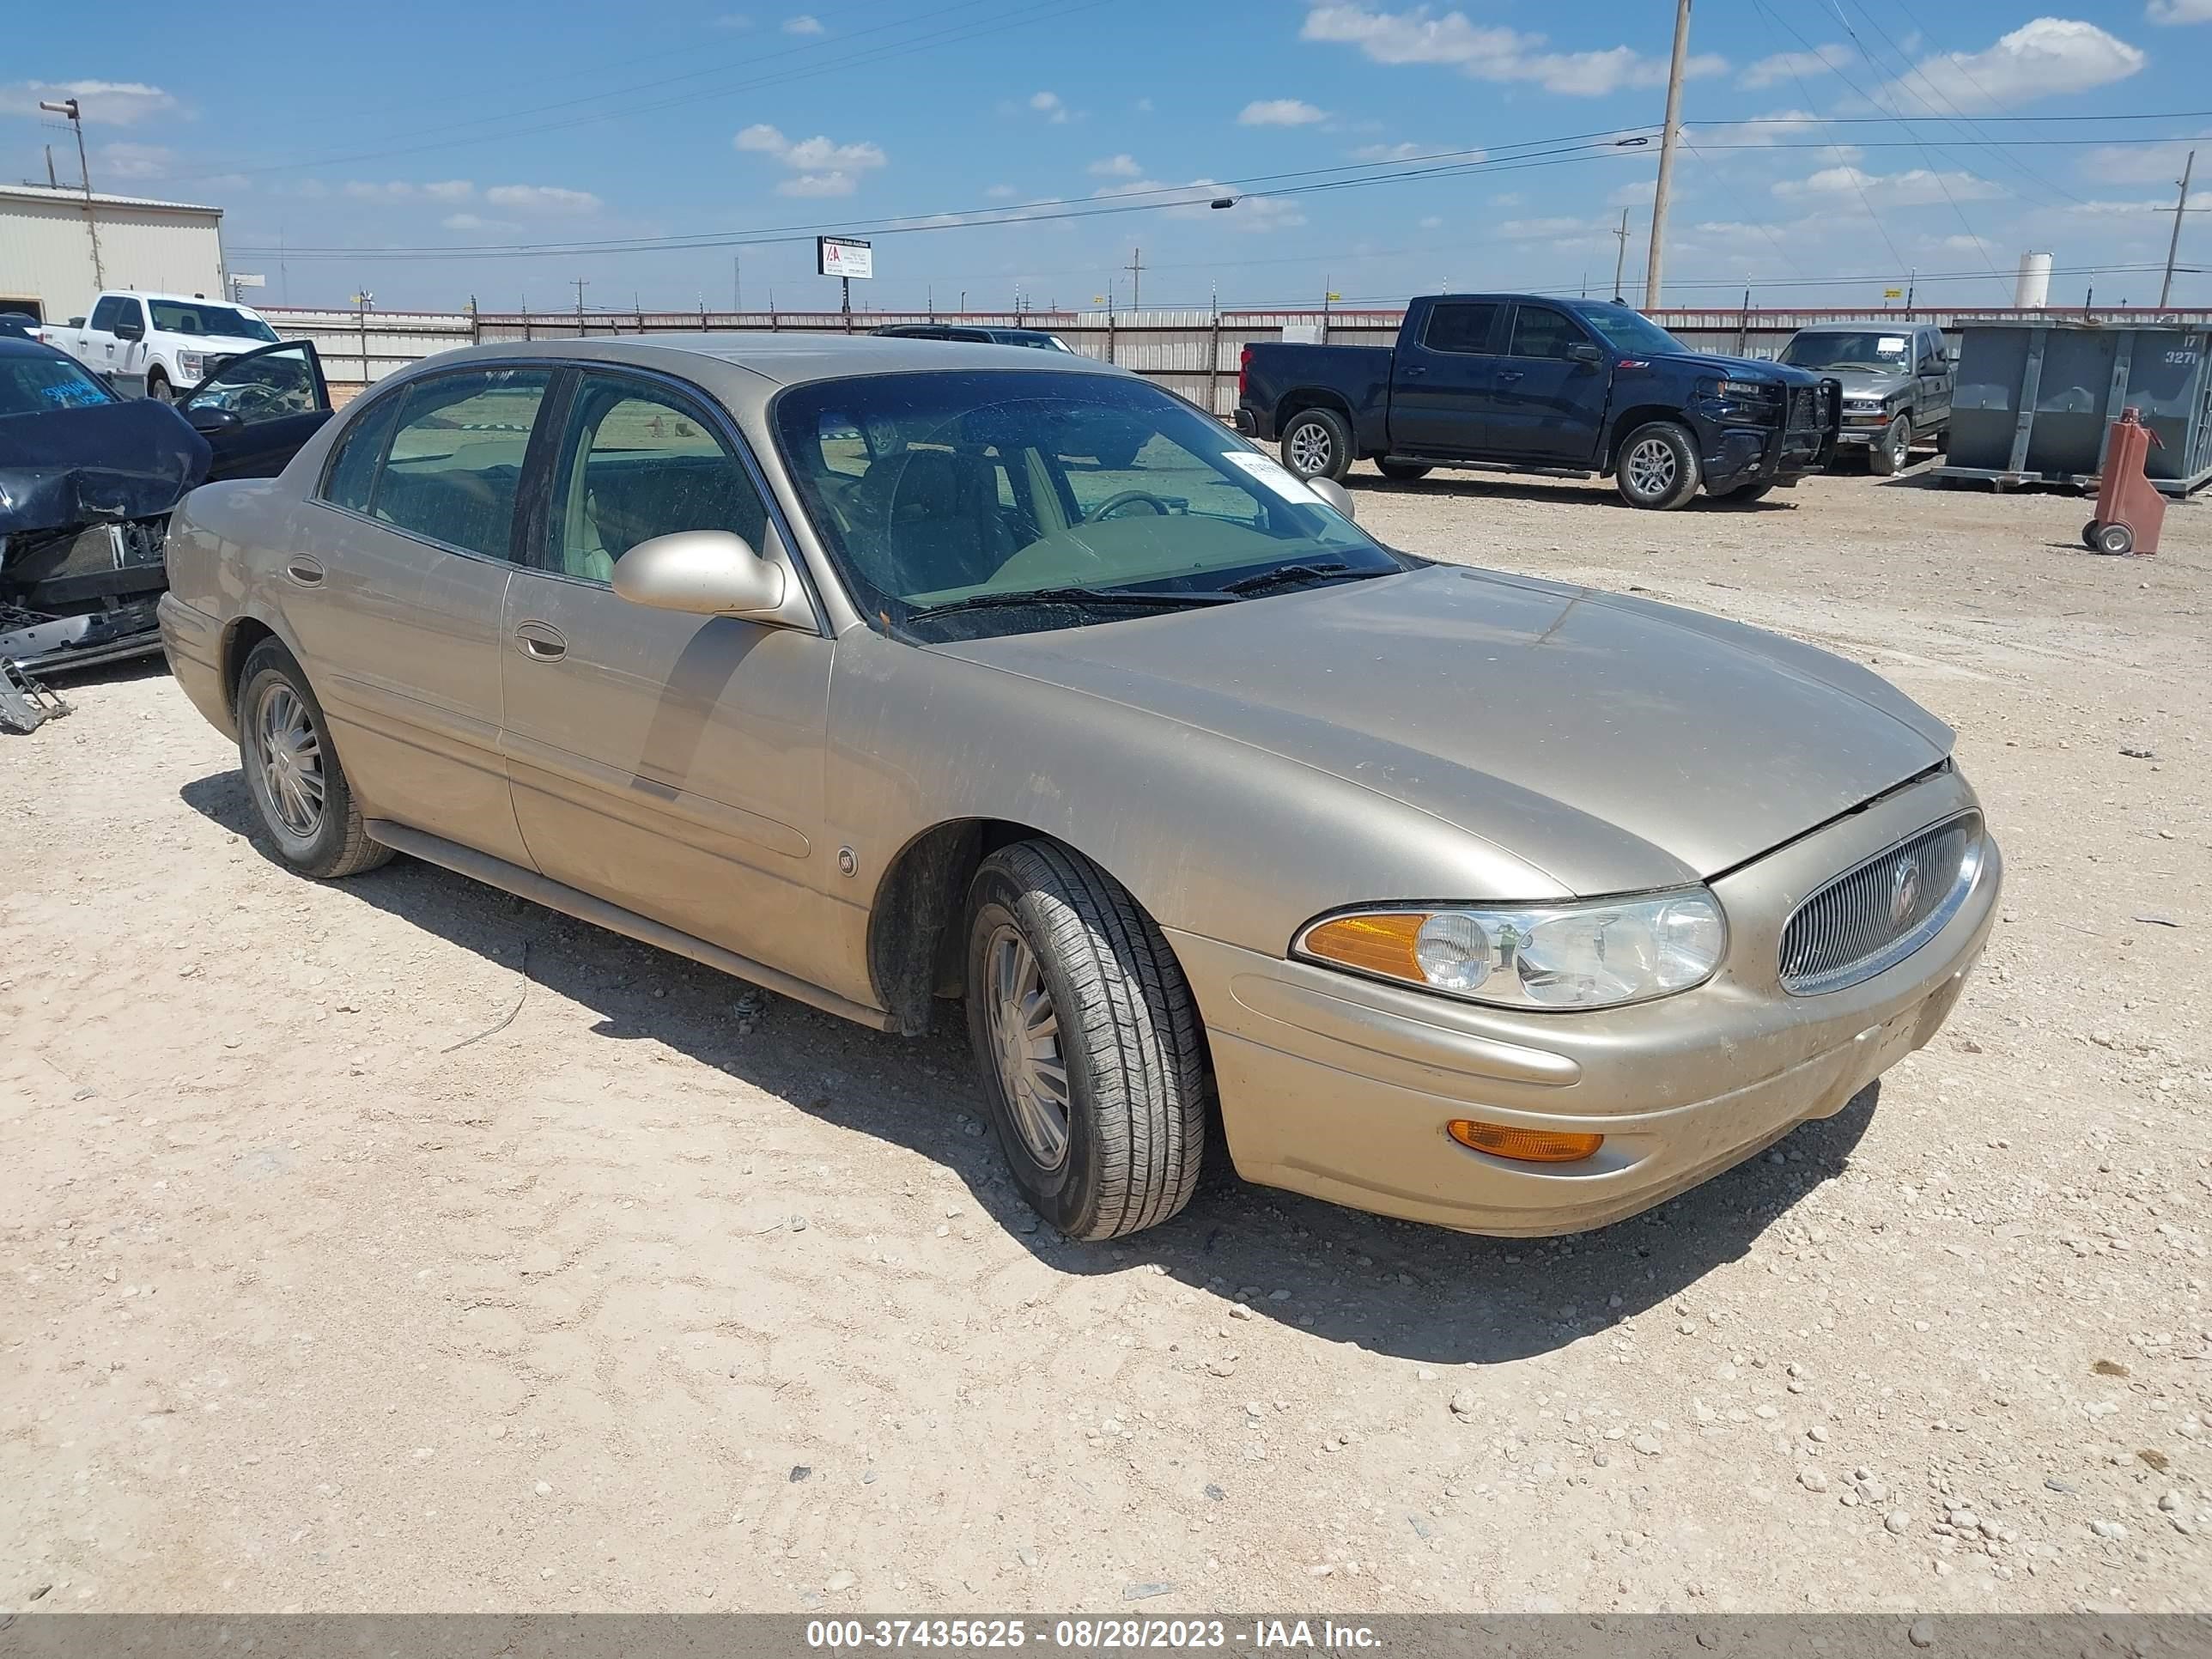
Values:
[(293, 773), (1092, 1056), (1317, 444), (1890, 453), (1658, 467), (158, 388), (1403, 471)]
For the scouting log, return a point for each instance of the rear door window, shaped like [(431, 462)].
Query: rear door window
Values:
[(1461, 326), (453, 467), (352, 480)]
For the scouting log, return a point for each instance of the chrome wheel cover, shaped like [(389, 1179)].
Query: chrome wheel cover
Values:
[(1311, 449), (1025, 1032), (1652, 468), (291, 761)]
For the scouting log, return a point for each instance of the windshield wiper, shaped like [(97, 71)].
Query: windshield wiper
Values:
[(1144, 598), (1261, 581)]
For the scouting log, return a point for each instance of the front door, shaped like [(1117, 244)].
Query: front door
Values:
[(258, 409), (1550, 403), (1934, 371), (1441, 383), (667, 762), (397, 609)]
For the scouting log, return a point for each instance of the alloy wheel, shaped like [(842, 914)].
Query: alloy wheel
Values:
[(1311, 449), (1652, 467)]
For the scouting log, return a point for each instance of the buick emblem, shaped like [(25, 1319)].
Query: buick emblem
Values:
[(1903, 891)]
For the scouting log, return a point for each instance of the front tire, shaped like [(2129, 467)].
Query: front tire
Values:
[(1403, 471), (1657, 468), (292, 771), (158, 388), (1092, 1055), (1317, 444), (1892, 452)]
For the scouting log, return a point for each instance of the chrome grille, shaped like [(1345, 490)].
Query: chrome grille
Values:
[(1873, 917)]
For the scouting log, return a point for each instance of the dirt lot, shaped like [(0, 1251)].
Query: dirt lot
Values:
[(664, 1294)]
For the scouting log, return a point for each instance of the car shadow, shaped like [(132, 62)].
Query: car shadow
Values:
[(1514, 488), (1339, 1275)]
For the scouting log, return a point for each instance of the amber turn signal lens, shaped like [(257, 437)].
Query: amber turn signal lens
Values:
[(1375, 944), (1527, 1145)]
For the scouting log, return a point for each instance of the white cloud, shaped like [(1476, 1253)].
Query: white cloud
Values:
[(1510, 198), (733, 20), (548, 199), (2042, 58), (1793, 66), (475, 221), (1143, 106), (2180, 11), (1781, 127), (1404, 152), (1918, 187), (1044, 101), (1117, 166), (1195, 200), (449, 190), (1534, 230), (1432, 222), (1638, 194), (824, 166), (1279, 112), (804, 23), (1048, 105), (1002, 192), (1488, 52), (126, 160), (2140, 164), (109, 103), (363, 190)]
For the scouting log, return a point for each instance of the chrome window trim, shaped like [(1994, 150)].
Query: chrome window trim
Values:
[(1905, 944)]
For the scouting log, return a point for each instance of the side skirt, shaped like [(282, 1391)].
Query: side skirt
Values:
[(572, 902)]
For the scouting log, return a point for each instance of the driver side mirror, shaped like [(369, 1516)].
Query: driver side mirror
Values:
[(1582, 351), (1335, 494), (706, 573), (129, 328), (207, 419)]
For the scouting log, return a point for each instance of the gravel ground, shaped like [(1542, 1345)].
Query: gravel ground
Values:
[(395, 1244)]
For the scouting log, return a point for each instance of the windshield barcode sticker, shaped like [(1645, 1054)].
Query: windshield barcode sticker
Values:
[(1280, 479)]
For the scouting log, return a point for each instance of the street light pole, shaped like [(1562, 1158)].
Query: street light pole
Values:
[(2173, 246), (68, 106), (1668, 139)]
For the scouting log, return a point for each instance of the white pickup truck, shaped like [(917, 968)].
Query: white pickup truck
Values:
[(163, 344)]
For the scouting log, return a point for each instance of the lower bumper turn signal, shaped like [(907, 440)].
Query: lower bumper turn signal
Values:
[(1525, 1145)]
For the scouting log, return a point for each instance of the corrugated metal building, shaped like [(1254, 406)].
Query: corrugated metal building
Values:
[(46, 265)]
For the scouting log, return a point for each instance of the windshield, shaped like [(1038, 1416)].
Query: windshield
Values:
[(32, 385), (1629, 330), (981, 486), (1873, 349), (198, 317)]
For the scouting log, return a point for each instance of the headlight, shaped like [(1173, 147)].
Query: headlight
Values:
[(1594, 955), (189, 363), (1754, 390)]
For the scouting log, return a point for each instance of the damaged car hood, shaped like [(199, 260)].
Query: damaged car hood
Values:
[(101, 462)]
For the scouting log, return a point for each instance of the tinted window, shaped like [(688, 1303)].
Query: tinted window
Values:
[(33, 384), (638, 462), (1538, 331), (203, 318), (1459, 328), (455, 459), (104, 313), (933, 488), (351, 481)]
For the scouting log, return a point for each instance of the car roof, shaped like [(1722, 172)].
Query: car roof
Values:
[(181, 299), (15, 345), (1895, 324), (787, 359)]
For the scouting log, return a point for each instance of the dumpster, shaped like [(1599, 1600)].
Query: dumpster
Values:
[(2036, 401)]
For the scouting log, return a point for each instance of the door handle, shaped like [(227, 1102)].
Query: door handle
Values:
[(1507, 376), (303, 570), (1413, 370), (541, 642)]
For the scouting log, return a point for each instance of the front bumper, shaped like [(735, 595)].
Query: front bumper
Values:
[(1341, 1088), (1860, 436)]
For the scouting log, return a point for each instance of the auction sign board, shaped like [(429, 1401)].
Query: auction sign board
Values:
[(841, 256)]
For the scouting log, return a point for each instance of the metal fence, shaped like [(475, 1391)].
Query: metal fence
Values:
[(1193, 353)]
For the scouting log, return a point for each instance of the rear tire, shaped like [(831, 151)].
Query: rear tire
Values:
[(292, 771), (1403, 471), (1317, 444), (1092, 1055), (1892, 452), (158, 388), (1657, 468)]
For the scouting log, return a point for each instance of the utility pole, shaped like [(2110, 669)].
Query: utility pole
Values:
[(1667, 140), (1136, 269), (737, 283), (1620, 259), (2173, 247), (68, 106), (580, 281), (52, 183)]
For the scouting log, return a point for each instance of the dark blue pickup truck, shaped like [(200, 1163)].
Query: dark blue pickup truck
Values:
[(1529, 384)]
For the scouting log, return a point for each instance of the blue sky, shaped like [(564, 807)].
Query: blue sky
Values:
[(1372, 148)]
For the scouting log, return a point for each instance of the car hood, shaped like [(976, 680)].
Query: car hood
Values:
[(1869, 382), (1760, 369), (1612, 744), (129, 460)]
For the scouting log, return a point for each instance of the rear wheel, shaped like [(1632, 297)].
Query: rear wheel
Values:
[(1092, 1056), (293, 773), (1658, 466), (1403, 471), (1891, 451), (158, 388), (1317, 444)]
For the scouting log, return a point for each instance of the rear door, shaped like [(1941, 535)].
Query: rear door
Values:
[(1441, 384), (258, 409), (1549, 404)]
